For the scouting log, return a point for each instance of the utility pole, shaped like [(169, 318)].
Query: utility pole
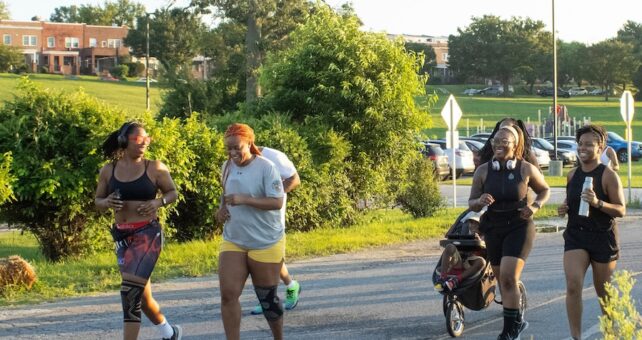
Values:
[(147, 106)]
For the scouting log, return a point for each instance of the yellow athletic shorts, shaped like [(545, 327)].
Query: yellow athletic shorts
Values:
[(273, 254)]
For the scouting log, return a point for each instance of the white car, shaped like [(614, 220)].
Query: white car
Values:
[(144, 80), (464, 160), (578, 91), (471, 92), (543, 159)]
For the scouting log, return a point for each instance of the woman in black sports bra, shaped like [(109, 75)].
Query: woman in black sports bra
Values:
[(501, 186), (591, 240), (130, 186)]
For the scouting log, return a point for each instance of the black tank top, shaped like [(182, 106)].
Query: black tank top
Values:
[(509, 191), (140, 189), (596, 220)]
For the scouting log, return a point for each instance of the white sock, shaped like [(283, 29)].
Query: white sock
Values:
[(165, 329), (291, 285)]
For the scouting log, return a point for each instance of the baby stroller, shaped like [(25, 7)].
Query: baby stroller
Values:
[(477, 291)]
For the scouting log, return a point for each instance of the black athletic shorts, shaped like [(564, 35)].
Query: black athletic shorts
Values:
[(602, 246), (512, 239)]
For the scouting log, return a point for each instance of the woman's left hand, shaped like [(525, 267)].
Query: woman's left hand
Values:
[(235, 199), (527, 211), (149, 207), (588, 196)]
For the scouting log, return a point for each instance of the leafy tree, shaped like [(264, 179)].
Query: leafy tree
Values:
[(631, 33), (359, 85), (4, 11), (571, 61), (174, 37), (494, 48), (120, 12), (611, 62), (267, 24), (10, 57), (428, 53)]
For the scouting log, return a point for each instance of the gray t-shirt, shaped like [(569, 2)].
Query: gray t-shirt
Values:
[(247, 226)]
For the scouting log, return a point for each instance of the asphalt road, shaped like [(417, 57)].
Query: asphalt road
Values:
[(381, 293)]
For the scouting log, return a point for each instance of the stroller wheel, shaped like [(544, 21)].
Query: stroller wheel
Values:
[(455, 318), (523, 301)]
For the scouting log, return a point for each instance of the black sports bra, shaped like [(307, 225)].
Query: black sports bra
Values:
[(140, 189)]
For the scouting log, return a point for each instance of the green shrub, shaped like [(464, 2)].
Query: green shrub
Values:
[(421, 197), (119, 71), (135, 69), (6, 178), (194, 154), (54, 137), (621, 320)]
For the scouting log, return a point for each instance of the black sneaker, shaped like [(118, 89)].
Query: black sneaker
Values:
[(515, 333), (178, 333)]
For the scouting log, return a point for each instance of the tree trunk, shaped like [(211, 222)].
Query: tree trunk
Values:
[(253, 55)]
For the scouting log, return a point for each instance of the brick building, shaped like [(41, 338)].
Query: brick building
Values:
[(65, 48), (440, 46)]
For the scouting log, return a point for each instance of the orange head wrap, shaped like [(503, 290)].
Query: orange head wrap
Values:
[(246, 133)]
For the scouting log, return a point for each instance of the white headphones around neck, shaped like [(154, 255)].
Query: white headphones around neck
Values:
[(510, 164)]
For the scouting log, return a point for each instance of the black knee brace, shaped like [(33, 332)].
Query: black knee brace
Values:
[(272, 309), (131, 294)]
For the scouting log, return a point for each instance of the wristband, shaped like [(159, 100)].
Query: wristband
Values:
[(600, 204), (163, 201)]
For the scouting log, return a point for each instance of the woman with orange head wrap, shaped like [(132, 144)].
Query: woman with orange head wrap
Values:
[(253, 233)]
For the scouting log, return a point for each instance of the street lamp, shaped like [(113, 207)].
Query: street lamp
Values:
[(554, 86), (147, 64)]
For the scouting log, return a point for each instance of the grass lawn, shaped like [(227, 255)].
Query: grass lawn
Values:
[(129, 96), (492, 109), (99, 272)]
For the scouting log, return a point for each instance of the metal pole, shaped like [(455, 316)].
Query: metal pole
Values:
[(629, 135), (452, 145), (554, 85), (147, 67)]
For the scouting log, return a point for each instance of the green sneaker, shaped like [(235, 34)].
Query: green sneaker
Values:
[(292, 296), (257, 310)]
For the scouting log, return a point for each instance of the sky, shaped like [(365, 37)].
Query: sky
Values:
[(576, 20)]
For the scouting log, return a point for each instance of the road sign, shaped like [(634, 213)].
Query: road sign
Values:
[(626, 107), (454, 140), (451, 113)]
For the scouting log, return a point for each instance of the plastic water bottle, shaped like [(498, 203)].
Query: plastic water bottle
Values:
[(584, 206)]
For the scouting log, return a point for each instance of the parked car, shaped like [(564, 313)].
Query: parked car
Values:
[(543, 159), (436, 154), (578, 91), (600, 92), (475, 146), (620, 145), (482, 136), (567, 157), (559, 138), (464, 160), (144, 80), (496, 90), (548, 92), (471, 92)]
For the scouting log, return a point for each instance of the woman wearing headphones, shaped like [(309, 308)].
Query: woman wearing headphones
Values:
[(501, 186), (129, 185), (486, 153)]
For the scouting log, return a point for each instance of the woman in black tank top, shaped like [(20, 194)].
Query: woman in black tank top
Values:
[(590, 240), (130, 186), (500, 188)]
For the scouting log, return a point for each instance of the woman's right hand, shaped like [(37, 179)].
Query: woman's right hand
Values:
[(222, 214), (486, 200), (113, 202), (562, 209)]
